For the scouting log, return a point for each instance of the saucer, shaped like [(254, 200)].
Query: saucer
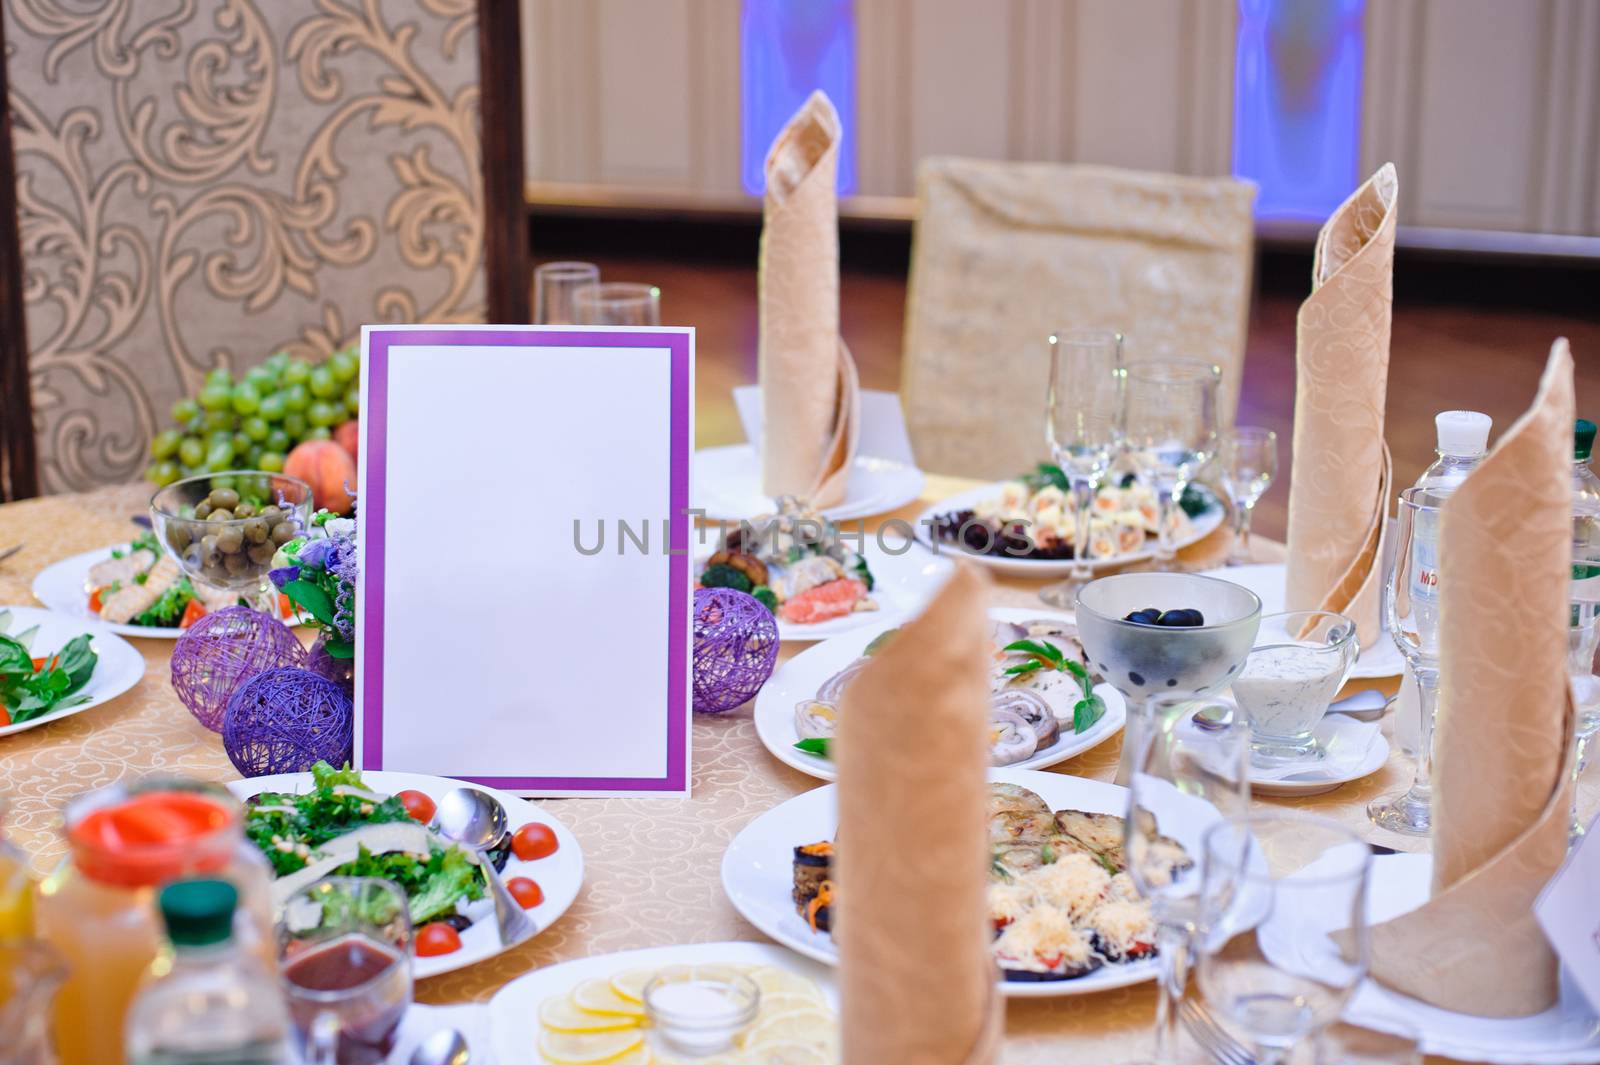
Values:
[(726, 485), (1352, 750)]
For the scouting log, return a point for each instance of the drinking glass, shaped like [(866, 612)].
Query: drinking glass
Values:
[(344, 950), (1083, 424), (554, 287), (1248, 459), (1283, 934), (1583, 639), (1170, 757), (618, 303), (1411, 605), (1345, 1044), (1170, 425)]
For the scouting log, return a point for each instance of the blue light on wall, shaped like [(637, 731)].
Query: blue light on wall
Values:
[(1297, 103), (788, 49)]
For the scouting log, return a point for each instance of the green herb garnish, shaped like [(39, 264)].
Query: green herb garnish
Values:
[(816, 745)]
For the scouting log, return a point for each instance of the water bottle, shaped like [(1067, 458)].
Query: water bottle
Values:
[(1584, 636), (206, 1001), (1463, 441)]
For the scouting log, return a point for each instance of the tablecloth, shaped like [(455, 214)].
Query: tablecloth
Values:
[(653, 865)]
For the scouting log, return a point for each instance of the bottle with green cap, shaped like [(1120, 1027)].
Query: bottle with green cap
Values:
[(205, 1000)]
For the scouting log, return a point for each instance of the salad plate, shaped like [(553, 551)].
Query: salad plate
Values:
[(727, 485), (340, 802), (115, 665), (799, 680), (1269, 581), (759, 867), (1565, 1034), (75, 586), (1121, 526), (516, 1013)]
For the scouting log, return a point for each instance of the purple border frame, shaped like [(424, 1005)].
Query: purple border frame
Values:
[(375, 453)]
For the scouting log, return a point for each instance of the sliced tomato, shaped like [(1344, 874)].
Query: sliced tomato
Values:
[(94, 600), (419, 806), (533, 841), (5, 716), (434, 939), (192, 613), (42, 664), (527, 893), (285, 608)]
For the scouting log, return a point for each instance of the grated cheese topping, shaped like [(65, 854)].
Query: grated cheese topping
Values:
[(1075, 883)]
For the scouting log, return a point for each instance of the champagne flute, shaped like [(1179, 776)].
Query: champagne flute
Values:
[(1283, 940), (1172, 756), (1411, 604), (1248, 457), (1083, 424), (1170, 423), (554, 287)]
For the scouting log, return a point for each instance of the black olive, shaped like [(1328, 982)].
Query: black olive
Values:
[(460, 922)]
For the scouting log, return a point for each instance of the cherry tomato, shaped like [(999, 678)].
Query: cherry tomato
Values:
[(285, 608), (5, 715), (533, 841), (94, 600), (525, 891), (191, 614), (418, 805), (434, 939)]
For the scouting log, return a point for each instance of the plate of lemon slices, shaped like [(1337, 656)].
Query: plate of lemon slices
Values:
[(591, 1011)]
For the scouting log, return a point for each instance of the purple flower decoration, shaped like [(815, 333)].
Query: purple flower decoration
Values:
[(314, 553), (283, 575)]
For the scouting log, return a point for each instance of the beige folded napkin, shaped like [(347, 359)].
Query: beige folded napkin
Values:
[(810, 396), (1503, 743), (917, 981), (1340, 488)]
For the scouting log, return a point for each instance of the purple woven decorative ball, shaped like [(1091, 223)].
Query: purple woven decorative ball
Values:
[(221, 651), (286, 721), (735, 648)]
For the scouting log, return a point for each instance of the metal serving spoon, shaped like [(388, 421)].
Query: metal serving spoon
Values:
[(477, 821), (444, 1047), (1369, 705)]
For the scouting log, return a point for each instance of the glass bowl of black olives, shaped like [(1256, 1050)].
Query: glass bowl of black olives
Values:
[(224, 528), (1167, 633)]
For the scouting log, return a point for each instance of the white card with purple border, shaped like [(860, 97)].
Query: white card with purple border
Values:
[(494, 643)]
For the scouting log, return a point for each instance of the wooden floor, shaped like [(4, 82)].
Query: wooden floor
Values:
[(1442, 357)]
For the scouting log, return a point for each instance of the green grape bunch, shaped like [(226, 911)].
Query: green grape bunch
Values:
[(252, 422)]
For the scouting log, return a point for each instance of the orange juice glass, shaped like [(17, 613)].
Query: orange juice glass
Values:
[(16, 887)]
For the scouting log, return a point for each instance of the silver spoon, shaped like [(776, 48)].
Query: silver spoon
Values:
[(1369, 705), (444, 1047), (478, 821)]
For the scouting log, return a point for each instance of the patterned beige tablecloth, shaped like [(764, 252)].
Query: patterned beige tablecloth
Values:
[(653, 864)]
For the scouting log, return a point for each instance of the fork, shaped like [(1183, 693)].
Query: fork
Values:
[(1211, 1036), (8, 552)]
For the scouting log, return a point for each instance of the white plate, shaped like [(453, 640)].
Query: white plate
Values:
[(757, 868), (514, 1010), (1563, 1034), (1201, 527), (1357, 749), (560, 875), (799, 678), (726, 485), (64, 588), (1269, 581), (903, 582), (119, 668)]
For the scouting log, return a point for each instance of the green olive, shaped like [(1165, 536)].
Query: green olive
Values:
[(235, 564), (244, 510), (271, 515), (262, 553), (220, 515), (225, 498), (178, 535), (210, 553), (283, 532), (256, 531), (231, 540), (202, 509)]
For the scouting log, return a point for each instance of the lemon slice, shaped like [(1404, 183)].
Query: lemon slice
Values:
[(801, 1026), (597, 996), (590, 1048), (561, 1014), (718, 972), (630, 984), (787, 1002), (774, 981), (788, 1054)]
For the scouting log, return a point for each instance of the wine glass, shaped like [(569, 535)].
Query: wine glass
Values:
[(1247, 456), (344, 949), (1170, 425), (1411, 604), (618, 303), (1283, 938), (554, 287), (1083, 424), (1172, 755)]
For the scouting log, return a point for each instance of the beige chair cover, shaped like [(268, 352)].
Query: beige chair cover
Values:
[(1007, 253)]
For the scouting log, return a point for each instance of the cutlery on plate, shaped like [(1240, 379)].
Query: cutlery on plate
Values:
[(1212, 1037), (8, 552), (477, 821), (444, 1047), (1369, 705)]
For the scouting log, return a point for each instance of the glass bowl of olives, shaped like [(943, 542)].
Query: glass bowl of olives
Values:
[(1167, 633), (224, 528)]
